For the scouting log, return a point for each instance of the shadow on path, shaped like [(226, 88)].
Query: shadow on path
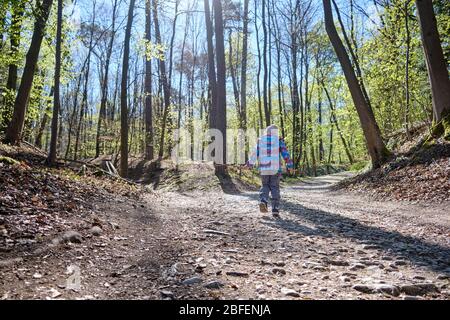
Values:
[(227, 184), (326, 224)]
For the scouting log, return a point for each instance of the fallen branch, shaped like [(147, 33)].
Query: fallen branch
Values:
[(216, 232), (35, 148), (113, 174)]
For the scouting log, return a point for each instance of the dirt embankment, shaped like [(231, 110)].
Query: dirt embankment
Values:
[(416, 176)]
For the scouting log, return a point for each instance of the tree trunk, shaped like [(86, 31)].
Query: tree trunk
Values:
[(15, 127), (408, 45), (165, 85), (180, 80), (43, 124), (279, 81), (84, 100), (172, 39), (297, 127), (221, 116), (233, 78), (436, 65), (375, 145), (258, 82), (353, 53), (265, 73), (124, 95), (56, 98), (104, 89), (169, 120), (148, 87), (330, 148), (319, 111), (243, 115), (212, 79), (74, 111), (334, 120), (243, 101)]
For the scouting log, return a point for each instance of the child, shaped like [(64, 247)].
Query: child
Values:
[(269, 149)]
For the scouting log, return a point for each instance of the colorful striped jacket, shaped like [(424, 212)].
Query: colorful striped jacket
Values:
[(268, 152)]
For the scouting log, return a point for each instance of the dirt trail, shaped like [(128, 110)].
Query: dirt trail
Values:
[(206, 245)]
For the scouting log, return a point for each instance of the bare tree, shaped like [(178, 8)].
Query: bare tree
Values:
[(164, 82), (407, 62), (221, 111), (243, 109), (212, 79), (84, 99), (51, 159), (43, 123), (104, 84), (265, 73), (124, 95), (336, 123), (148, 88), (258, 75)]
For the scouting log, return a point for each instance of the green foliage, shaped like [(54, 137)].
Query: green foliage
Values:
[(381, 52), (360, 165), (8, 160), (442, 10)]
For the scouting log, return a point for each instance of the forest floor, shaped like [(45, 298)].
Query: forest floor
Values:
[(132, 243)]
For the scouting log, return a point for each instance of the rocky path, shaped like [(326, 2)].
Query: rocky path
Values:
[(208, 245)]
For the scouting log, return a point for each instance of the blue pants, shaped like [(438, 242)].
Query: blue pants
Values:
[(270, 184)]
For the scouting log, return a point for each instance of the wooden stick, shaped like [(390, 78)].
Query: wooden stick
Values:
[(34, 147)]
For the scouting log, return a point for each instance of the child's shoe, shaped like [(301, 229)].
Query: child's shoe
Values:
[(263, 207), (275, 213)]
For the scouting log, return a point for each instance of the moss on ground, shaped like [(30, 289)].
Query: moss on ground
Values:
[(8, 160)]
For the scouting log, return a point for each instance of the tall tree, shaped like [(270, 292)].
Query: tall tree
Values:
[(297, 127), (243, 109), (212, 79), (233, 73), (164, 81), (84, 99), (172, 40), (104, 85), (124, 95), (221, 112), (436, 65), (407, 62), (258, 75), (353, 52), (56, 97), (15, 127), (243, 101), (44, 119), (336, 123), (277, 37), (180, 80), (148, 87), (375, 145), (72, 119), (265, 73)]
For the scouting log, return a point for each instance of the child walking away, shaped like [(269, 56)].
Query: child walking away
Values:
[(268, 153)]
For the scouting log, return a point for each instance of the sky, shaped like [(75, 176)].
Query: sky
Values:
[(81, 11)]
